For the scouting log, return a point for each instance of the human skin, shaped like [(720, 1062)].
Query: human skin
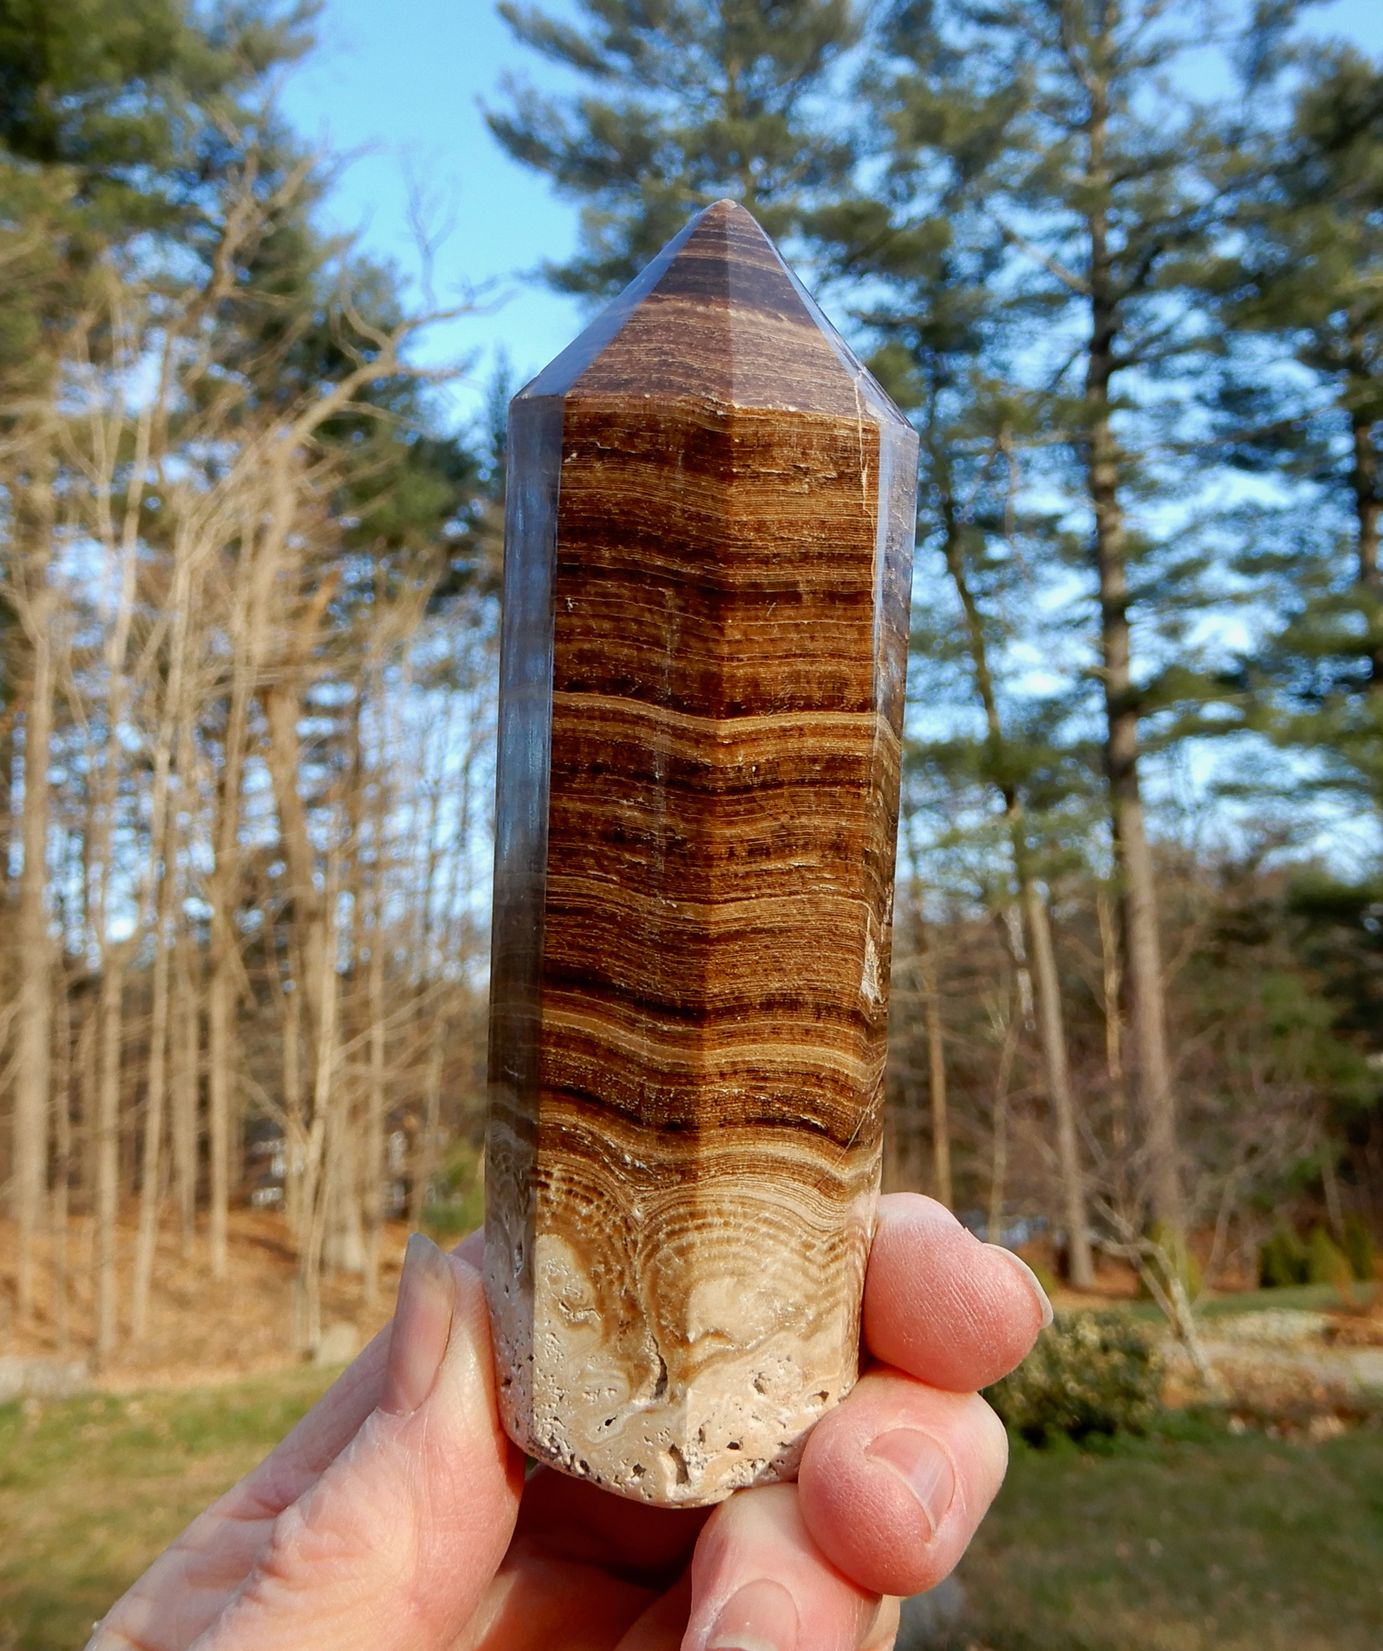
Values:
[(398, 1517)]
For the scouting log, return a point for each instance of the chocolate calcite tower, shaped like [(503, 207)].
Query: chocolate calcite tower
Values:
[(707, 566)]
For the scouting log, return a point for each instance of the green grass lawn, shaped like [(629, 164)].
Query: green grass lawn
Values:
[(1194, 1540), (91, 1489), (1191, 1540)]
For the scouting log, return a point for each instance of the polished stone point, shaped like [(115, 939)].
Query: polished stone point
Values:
[(707, 566)]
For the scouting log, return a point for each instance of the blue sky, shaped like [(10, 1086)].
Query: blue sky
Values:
[(399, 86)]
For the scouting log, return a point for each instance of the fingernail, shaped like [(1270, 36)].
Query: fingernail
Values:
[(107, 1639), (760, 1616), (1032, 1280), (923, 1466), (421, 1329)]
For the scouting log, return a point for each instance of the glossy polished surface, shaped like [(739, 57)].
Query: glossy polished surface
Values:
[(708, 555)]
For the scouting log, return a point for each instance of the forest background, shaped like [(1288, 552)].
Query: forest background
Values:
[(1120, 260)]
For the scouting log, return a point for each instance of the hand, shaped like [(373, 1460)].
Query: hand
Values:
[(396, 1515)]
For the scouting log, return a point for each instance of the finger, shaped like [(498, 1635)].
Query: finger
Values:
[(538, 1603), (582, 1567), (941, 1305), (573, 1519), (895, 1480), (395, 1544), (660, 1627), (884, 1629), (760, 1581)]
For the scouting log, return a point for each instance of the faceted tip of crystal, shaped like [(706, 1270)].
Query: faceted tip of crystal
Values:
[(717, 316), (729, 208)]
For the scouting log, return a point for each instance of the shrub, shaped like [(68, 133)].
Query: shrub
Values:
[(1282, 1261), (1326, 1262), (1044, 1276), (1359, 1247), (1090, 1374), (461, 1171), (445, 1220)]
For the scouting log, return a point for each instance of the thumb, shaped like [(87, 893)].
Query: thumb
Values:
[(393, 1547)]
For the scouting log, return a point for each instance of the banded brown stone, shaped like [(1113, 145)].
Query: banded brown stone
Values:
[(708, 555)]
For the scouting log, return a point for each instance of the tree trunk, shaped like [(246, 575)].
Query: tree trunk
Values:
[(344, 1247), (220, 1014), (86, 1103), (342, 1239), (936, 1063), (110, 1035), (170, 750), (998, 1172), (1367, 507), (367, 807), (424, 1165), (1046, 983), (1142, 971), (223, 968), (294, 1112), (186, 1085), (376, 1100), (1111, 998), (122, 546), (1051, 1027), (934, 1032), (33, 1044), (1364, 484), (155, 1092), (60, 1304), (324, 1158)]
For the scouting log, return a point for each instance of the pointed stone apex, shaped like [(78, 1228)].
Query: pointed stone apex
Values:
[(718, 316), (731, 212)]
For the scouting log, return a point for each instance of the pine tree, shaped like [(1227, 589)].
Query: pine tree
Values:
[(943, 354), (685, 102), (1059, 123), (1301, 402)]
